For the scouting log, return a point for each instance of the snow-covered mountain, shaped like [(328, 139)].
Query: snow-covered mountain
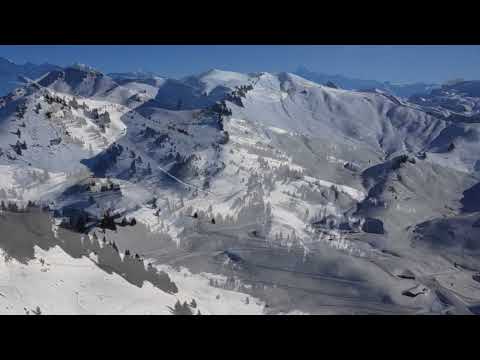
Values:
[(402, 90), (190, 93), (145, 84), (299, 196), (458, 101), (13, 75)]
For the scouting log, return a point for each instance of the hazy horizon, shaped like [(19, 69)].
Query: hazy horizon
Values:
[(396, 64)]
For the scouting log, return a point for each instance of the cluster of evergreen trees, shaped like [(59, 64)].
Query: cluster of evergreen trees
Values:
[(20, 111), (50, 99), (130, 266), (37, 108), (285, 173), (184, 309), (75, 105), (138, 161), (12, 206), (102, 119), (107, 221), (288, 238), (238, 93), (221, 109), (19, 146)]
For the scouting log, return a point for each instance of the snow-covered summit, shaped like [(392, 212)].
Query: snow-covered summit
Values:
[(208, 81)]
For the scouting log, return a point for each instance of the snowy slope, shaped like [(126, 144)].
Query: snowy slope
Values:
[(56, 133), (198, 91), (58, 284), (457, 102), (289, 102), (216, 80), (58, 280), (269, 181)]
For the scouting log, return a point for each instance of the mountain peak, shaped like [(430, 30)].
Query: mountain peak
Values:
[(221, 74), (83, 67)]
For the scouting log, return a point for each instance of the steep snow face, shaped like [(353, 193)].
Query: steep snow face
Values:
[(213, 79), (380, 122)]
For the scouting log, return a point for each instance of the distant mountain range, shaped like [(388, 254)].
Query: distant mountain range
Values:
[(402, 90), (11, 74)]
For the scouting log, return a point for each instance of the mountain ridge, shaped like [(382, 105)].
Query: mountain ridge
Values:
[(404, 90)]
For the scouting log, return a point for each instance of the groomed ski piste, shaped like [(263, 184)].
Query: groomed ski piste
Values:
[(254, 193)]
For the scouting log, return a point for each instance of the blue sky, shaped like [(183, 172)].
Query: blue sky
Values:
[(387, 63)]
